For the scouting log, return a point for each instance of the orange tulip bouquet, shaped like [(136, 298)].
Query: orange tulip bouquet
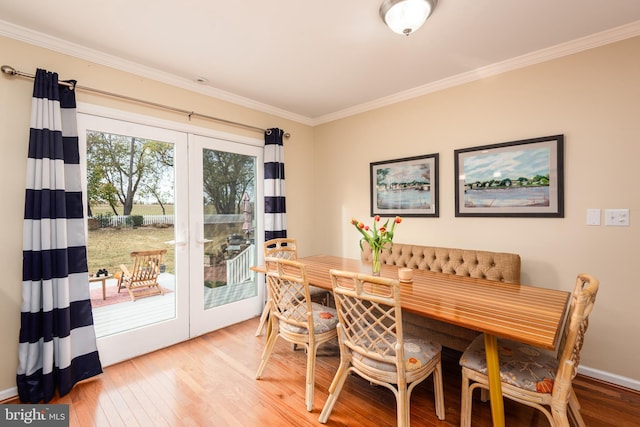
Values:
[(378, 238)]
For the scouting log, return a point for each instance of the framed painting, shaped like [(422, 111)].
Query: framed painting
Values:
[(512, 179), (405, 187)]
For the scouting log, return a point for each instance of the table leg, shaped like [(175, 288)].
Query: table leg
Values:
[(493, 372), (104, 288)]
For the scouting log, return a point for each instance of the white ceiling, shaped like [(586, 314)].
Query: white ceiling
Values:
[(314, 61)]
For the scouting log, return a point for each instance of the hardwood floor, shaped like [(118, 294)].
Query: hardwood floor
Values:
[(209, 381)]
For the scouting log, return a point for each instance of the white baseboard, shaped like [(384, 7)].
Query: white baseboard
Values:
[(609, 377), (8, 393)]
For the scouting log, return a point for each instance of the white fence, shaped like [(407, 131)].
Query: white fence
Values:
[(127, 220), (238, 268), (157, 219)]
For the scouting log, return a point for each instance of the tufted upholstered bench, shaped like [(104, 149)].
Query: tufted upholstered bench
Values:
[(498, 266)]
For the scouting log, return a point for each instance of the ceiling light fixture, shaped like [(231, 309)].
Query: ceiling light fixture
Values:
[(406, 16)]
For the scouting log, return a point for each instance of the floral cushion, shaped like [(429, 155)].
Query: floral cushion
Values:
[(417, 353), (324, 319), (521, 365)]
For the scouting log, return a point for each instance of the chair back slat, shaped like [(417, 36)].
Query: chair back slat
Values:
[(369, 314), (289, 291), (284, 248), (146, 265)]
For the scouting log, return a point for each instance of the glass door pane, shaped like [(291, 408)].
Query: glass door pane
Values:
[(134, 191), (131, 183), (225, 199)]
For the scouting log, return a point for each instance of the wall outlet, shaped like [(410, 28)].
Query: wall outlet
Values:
[(616, 217)]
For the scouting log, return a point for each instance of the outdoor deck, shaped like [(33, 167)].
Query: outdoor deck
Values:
[(127, 315)]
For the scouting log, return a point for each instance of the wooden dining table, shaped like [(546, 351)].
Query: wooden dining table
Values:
[(529, 314)]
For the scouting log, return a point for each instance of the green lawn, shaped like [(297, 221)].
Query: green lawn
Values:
[(110, 247)]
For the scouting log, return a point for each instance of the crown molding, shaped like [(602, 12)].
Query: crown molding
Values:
[(585, 43), (72, 49), (63, 46)]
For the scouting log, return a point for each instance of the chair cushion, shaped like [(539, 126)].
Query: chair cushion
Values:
[(521, 365), (324, 319), (417, 353)]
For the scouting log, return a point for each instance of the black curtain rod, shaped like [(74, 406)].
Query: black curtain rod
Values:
[(6, 69)]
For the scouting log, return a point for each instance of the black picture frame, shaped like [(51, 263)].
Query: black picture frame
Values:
[(407, 187), (512, 179)]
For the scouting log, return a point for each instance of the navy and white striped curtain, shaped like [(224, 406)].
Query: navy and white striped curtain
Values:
[(57, 339), (275, 224)]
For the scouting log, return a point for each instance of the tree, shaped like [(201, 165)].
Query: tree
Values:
[(381, 176), (226, 177), (98, 190), (541, 179), (159, 184), (120, 166)]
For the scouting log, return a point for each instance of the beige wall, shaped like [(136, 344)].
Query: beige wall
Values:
[(593, 98)]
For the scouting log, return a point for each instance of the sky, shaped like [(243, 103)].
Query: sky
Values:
[(506, 164), (407, 173)]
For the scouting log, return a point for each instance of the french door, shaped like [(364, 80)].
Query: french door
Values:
[(209, 234), (224, 197)]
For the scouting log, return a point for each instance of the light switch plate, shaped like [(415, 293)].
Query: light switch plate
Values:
[(616, 217), (593, 216)]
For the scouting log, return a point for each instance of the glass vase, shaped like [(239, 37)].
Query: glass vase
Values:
[(375, 265)]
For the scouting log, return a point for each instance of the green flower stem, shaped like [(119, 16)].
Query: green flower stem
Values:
[(376, 262)]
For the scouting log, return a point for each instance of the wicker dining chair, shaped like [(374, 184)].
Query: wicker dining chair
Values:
[(285, 248), (295, 317), (533, 376), (374, 345)]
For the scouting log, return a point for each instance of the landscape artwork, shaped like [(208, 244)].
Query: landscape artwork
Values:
[(518, 178), (405, 187)]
